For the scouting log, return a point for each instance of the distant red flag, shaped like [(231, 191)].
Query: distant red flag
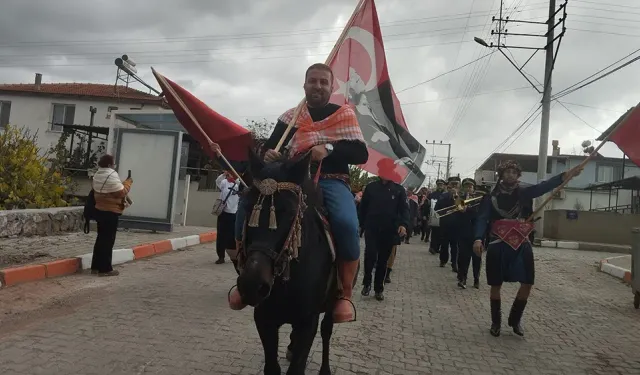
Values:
[(234, 140), (362, 80), (627, 135)]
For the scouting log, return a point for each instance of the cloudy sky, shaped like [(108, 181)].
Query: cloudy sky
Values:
[(246, 59)]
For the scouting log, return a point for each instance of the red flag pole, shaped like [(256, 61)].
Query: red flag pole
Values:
[(166, 84), (581, 165), (334, 51)]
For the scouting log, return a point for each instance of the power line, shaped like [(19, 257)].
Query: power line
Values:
[(233, 36), (520, 126), (597, 78), (461, 97), (609, 4), (578, 117), (445, 73), (592, 107)]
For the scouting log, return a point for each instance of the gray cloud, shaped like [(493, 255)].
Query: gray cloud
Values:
[(246, 59)]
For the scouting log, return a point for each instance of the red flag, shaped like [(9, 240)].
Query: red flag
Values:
[(362, 80), (627, 136), (234, 140)]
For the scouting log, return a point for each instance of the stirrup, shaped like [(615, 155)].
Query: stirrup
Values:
[(353, 307)]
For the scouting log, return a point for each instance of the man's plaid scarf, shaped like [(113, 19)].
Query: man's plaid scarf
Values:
[(340, 126)]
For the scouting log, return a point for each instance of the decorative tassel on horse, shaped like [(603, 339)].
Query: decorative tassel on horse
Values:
[(273, 224), (254, 220)]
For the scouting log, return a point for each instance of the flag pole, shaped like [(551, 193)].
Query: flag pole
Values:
[(334, 51), (581, 165), (166, 84)]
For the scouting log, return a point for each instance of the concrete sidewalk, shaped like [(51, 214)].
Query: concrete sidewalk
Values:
[(24, 259)]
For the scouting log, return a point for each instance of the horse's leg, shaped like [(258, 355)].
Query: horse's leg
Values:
[(305, 333), (268, 331), (326, 330)]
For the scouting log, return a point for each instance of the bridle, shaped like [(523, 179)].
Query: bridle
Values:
[(281, 259)]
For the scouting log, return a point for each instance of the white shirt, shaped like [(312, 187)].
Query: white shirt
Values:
[(228, 189)]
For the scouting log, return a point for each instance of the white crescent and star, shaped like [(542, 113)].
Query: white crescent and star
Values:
[(367, 40)]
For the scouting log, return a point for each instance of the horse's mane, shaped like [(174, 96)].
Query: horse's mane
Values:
[(274, 170)]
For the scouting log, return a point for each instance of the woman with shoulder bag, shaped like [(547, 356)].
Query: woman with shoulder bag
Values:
[(111, 200)]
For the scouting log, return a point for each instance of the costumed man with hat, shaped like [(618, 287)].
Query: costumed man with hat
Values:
[(465, 237), (509, 251), (434, 221), (449, 224)]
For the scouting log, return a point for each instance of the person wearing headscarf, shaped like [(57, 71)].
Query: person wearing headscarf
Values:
[(509, 251)]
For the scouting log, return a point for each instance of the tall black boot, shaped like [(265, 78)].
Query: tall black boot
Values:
[(517, 309), (387, 278), (496, 317)]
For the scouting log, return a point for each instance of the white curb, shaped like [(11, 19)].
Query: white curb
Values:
[(615, 271), (122, 256), (546, 243), (568, 245)]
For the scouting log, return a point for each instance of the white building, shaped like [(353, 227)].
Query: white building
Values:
[(44, 107), (599, 170)]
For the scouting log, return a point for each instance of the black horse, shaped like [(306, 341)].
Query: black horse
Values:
[(287, 268)]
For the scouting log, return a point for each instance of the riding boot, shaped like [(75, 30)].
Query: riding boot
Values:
[(235, 300), (343, 312), (517, 309), (387, 278), (496, 318)]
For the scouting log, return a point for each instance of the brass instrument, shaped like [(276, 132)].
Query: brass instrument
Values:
[(460, 204)]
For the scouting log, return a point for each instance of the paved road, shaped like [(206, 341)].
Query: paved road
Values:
[(168, 315)]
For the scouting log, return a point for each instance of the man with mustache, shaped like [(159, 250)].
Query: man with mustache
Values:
[(332, 134), (509, 252), (434, 223)]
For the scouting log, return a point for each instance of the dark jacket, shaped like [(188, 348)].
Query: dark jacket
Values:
[(384, 208)]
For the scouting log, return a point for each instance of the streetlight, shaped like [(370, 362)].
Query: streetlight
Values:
[(481, 42)]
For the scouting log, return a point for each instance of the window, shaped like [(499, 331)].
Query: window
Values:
[(5, 111), (608, 173), (63, 114)]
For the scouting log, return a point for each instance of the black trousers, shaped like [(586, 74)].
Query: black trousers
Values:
[(425, 231), (436, 238), (103, 248), (449, 242), (226, 226), (378, 247), (465, 257)]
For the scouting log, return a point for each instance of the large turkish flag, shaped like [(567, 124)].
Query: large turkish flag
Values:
[(362, 80)]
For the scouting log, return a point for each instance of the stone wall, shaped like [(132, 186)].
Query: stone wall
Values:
[(40, 222)]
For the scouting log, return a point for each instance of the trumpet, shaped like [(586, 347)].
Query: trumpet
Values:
[(460, 204)]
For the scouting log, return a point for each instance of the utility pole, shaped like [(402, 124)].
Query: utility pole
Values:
[(448, 169), (546, 110), (550, 59)]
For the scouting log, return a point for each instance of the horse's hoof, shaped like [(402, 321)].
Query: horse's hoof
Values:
[(324, 371), (289, 355)]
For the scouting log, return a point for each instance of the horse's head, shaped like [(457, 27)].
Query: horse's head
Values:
[(274, 209)]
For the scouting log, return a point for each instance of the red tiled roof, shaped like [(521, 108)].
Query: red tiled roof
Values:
[(94, 90)]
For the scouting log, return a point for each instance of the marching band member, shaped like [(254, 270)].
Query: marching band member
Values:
[(465, 237), (434, 222), (448, 224)]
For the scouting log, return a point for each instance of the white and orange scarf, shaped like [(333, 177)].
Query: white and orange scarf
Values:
[(340, 126)]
